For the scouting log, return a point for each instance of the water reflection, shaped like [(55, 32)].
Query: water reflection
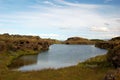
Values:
[(24, 60), (60, 55)]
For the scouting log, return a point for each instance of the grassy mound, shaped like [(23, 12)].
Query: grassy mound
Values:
[(78, 40)]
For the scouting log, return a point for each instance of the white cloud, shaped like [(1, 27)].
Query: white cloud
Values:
[(1, 24), (73, 16), (85, 6), (80, 15), (65, 28), (49, 3), (115, 29), (104, 36), (61, 17), (46, 35), (99, 29), (49, 35), (118, 20), (6, 30)]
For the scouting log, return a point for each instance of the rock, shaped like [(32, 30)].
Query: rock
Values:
[(113, 56), (109, 76)]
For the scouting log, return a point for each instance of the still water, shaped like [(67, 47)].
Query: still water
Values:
[(61, 55)]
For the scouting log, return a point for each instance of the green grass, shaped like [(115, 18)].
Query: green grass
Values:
[(97, 61)]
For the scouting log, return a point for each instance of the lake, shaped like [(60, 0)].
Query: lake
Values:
[(60, 55)]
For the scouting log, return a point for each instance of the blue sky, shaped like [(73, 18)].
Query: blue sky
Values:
[(60, 19)]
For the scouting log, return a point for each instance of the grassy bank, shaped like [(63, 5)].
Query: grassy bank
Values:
[(92, 69), (7, 58)]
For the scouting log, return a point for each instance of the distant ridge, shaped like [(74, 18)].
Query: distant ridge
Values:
[(78, 40)]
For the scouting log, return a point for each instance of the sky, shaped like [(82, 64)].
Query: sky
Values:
[(61, 19)]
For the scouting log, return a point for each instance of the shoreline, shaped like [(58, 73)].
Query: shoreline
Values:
[(94, 68), (86, 66)]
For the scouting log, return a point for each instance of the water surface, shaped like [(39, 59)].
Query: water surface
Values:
[(60, 55)]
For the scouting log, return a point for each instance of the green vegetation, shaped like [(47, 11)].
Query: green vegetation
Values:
[(98, 61), (97, 40), (14, 46)]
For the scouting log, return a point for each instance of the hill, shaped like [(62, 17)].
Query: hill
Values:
[(78, 40)]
